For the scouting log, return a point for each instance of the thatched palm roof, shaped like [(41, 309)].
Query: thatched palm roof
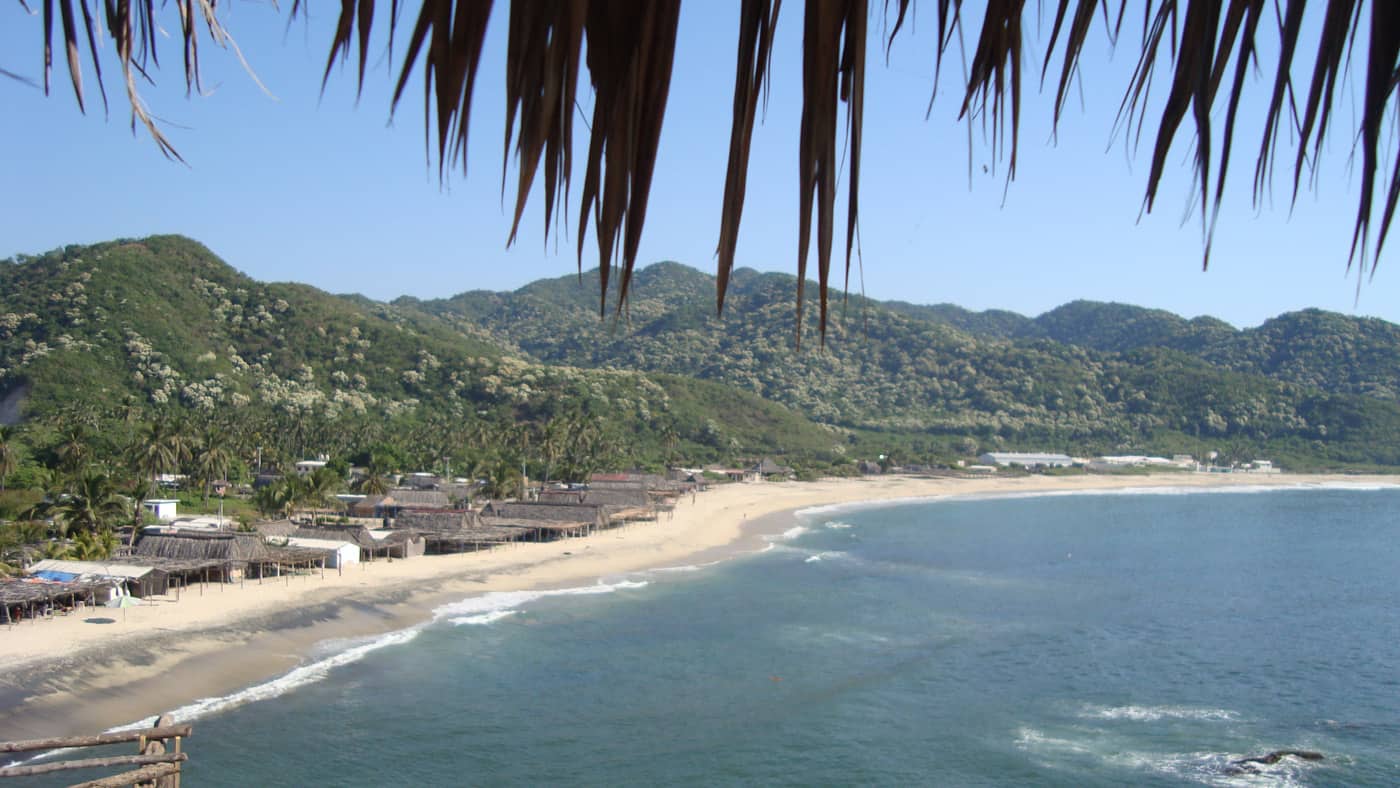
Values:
[(424, 499), (357, 535), (548, 512), (1204, 48), (435, 521), (203, 546)]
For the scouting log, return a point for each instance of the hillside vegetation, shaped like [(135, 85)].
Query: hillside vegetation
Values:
[(1316, 387), (100, 343)]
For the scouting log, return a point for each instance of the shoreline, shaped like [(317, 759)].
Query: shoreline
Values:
[(68, 676)]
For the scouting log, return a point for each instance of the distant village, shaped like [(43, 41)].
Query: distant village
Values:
[(424, 514)]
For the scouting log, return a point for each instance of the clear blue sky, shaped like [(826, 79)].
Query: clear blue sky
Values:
[(320, 190)]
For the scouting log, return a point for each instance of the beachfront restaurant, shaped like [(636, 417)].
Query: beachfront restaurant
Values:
[(110, 578), (33, 597)]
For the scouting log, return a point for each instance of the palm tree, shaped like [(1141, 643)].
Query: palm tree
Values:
[(318, 490), (9, 454), (273, 499), (74, 449), (94, 545), (373, 483), (1204, 44), (163, 447), (213, 461), (91, 503)]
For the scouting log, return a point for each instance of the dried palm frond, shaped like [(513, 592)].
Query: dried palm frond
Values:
[(756, 21), (631, 44), (542, 68), (833, 71)]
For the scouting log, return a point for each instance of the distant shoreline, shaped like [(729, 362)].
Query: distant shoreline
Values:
[(66, 676)]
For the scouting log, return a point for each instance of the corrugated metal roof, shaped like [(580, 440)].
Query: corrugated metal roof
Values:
[(91, 568)]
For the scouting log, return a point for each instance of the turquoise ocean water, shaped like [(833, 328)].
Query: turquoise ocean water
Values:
[(1088, 639)]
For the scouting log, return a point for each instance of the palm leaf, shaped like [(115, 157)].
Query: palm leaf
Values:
[(631, 44)]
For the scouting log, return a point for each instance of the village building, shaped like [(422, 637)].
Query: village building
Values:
[(108, 579), (338, 554), (1026, 459), (163, 509)]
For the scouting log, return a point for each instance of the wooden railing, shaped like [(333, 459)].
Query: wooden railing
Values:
[(156, 764)]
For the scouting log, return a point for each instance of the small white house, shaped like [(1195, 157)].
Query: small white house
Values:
[(1026, 459), (308, 467), (162, 508), (339, 554)]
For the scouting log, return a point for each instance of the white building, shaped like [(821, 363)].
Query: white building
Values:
[(162, 508), (340, 554), (308, 467), (1026, 459)]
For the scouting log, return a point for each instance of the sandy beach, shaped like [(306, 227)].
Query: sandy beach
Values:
[(70, 675)]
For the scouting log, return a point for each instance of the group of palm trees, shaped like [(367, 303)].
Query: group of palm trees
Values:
[(91, 469)]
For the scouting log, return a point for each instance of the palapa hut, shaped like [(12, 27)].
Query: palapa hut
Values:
[(456, 531), (110, 577), (371, 543), (32, 598), (414, 499), (274, 528), (336, 553), (222, 555), (371, 506), (556, 520)]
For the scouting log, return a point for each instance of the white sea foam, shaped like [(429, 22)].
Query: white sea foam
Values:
[(477, 610), (811, 559), (297, 677), (1033, 740), (789, 534), (1155, 713), (499, 601), (1206, 768), (1224, 489), (684, 568), (815, 512), (483, 618), (837, 525)]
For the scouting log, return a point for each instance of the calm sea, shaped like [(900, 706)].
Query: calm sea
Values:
[(1103, 639)]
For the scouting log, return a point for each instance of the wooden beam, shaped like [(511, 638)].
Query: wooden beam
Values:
[(29, 745), (143, 775), (95, 763)]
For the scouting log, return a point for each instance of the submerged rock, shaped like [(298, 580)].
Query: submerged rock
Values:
[(1251, 765)]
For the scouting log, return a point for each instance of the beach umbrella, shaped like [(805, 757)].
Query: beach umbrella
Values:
[(123, 602)]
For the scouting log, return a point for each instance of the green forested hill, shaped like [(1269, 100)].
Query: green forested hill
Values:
[(159, 328), (1336, 353), (1142, 378), (136, 331)]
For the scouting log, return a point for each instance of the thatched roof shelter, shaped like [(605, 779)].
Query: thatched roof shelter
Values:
[(444, 520), (193, 545), (418, 499), (276, 527), (370, 505), (631, 499), (357, 535), (18, 592), (535, 511)]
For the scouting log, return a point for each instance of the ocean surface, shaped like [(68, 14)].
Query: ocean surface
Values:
[(1086, 639)]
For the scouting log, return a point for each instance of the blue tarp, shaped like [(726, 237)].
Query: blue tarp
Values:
[(58, 577)]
